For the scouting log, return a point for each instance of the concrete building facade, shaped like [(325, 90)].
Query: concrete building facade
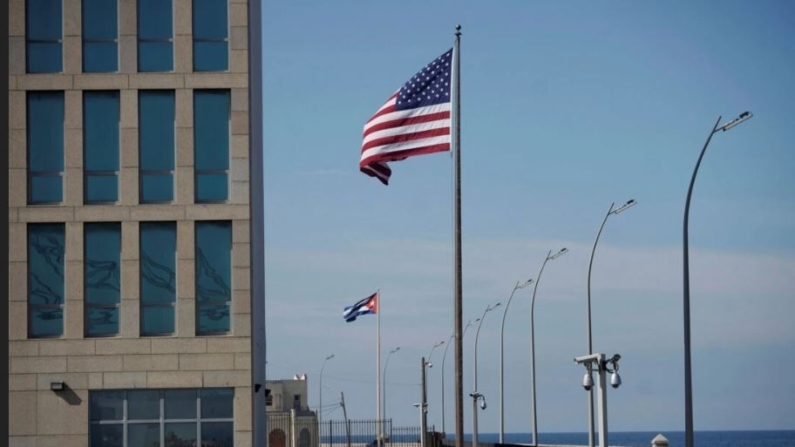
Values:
[(129, 301)]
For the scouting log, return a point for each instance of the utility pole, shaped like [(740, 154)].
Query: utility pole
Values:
[(424, 407), (345, 417)]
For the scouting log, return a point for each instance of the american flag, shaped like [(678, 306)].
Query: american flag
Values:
[(414, 121)]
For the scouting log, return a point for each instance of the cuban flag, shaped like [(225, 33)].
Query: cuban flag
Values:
[(366, 306)]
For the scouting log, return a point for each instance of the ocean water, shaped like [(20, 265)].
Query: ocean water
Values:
[(761, 438)]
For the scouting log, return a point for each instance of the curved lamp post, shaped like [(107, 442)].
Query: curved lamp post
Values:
[(549, 257), (383, 390), (475, 394), (686, 298), (610, 212), (502, 363), (320, 415), (444, 357)]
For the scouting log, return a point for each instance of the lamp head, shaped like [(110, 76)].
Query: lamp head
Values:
[(483, 403), (330, 357), (587, 381), (630, 203), (560, 253), (745, 116)]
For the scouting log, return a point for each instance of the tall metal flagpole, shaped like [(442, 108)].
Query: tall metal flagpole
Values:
[(378, 367), (459, 361)]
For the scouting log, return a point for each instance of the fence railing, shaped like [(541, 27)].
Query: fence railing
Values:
[(286, 430)]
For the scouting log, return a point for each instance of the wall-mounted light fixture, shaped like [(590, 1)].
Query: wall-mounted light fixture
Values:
[(57, 386)]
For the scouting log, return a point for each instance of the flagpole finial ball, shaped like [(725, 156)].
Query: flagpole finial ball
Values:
[(458, 27)]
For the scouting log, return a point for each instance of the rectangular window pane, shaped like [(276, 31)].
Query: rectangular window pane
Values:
[(45, 188), (44, 57), (210, 19), (156, 144), (212, 187), (157, 320), (101, 123), (210, 56), (155, 56), (107, 435), (216, 403), (143, 404), (145, 435), (102, 188), (44, 34), (100, 57), (102, 280), (217, 434), (106, 405), (180, 434), (45, 138), (155, 35), (213, 276), (211, 117), (100, 36), (180, 404), (158, 281), (210, 35), (45, 279)]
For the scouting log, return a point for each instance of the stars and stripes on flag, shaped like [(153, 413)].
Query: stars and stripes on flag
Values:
[(414, 121), (366, 306)]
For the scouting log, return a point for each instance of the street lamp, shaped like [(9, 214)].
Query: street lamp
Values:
[(549, 257), (686, 298), (436, 345), (602, 368), (502, 364), (475, 395), (320, 390), (444, 357), (383, 399), (610, 211)]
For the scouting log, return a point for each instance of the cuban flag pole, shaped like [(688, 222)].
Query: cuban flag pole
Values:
[(368, 306)]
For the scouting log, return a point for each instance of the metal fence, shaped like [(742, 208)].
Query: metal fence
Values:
[(297, 430)]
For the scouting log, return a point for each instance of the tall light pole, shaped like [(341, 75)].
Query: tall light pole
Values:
[(519, 285), (444, 357), (320, 392), (610, 212), (426, 364), (686, 275), (383, 390), (549, 257), (475, 394)]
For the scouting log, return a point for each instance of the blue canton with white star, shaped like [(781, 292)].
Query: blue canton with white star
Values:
[(429, 87)]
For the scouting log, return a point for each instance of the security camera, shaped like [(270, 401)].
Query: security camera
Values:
[(615, 380), (430, 365), (587, 382)]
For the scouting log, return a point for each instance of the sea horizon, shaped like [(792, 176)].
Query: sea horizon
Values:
[(676, 438)]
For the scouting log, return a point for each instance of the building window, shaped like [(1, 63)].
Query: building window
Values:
[(156, 145), (101, 146), (44, 36), (211, 114), (158, 277), (155, 35), (210, 35), (45, 114), (296, 401), (102, 280), (175, 417), (213, 277), (100, 36), (45, 280)]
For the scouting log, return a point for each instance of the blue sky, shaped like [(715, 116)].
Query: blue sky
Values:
[(566, 107)]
